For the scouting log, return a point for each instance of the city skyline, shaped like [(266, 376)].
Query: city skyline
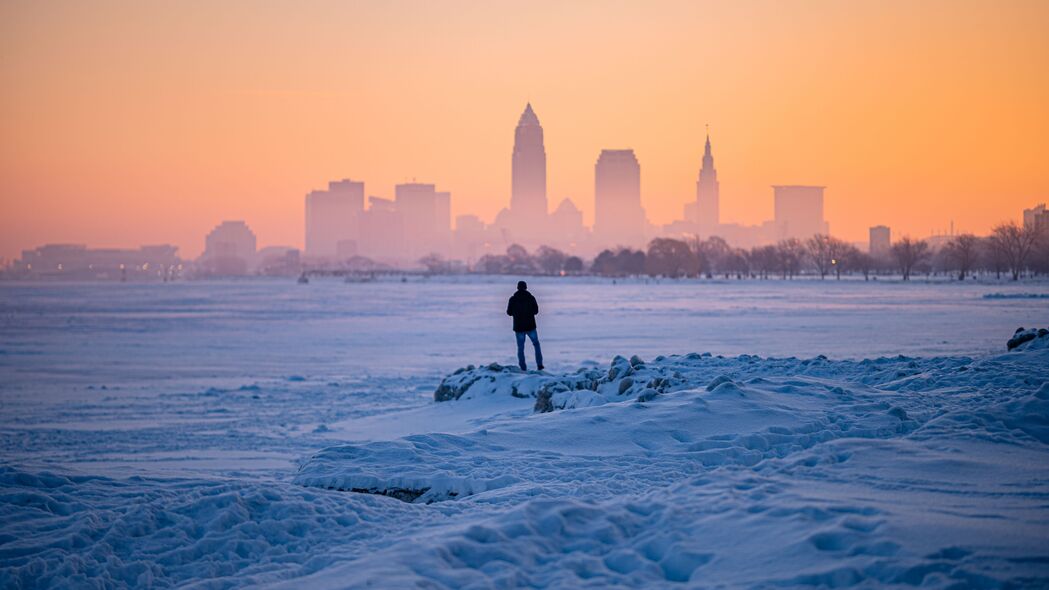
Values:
[(159, 140)]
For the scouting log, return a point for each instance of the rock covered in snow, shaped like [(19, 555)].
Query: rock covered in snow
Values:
[(1035, 338), (624, 379)]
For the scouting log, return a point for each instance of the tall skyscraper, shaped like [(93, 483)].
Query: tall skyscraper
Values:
[(618, 216), (799, 212), (707, 211), (880, 241), (332, 218), (528, 174)]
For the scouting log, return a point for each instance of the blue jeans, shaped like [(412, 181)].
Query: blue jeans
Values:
[(534, 337)]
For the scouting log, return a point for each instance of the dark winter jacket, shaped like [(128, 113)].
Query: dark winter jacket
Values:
[(524, 309)]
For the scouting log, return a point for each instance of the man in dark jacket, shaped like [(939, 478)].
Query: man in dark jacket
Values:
[(523, 307)]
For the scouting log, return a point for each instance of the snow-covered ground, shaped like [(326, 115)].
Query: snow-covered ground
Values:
[(200, 433)]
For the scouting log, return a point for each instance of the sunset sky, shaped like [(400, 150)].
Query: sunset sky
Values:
[(150, 122)]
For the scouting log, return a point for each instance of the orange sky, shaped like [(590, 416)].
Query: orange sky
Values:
[(147, 122)]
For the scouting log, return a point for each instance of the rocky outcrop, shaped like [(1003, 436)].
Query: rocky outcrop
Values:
[(624, 379), (1027, 339)]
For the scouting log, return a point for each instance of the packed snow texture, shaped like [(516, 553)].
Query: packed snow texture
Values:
[(894, 470), (140, 449)]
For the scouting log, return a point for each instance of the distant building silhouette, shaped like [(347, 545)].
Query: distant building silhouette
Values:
[(707, 209), (566, 222), (1037, 218), (799, 211), (469, 240), (427, 219), (880, 243), (382, 230), (229, 249), (528, 204), (78, 262), (332, 218), (283, 261), (618, 216)]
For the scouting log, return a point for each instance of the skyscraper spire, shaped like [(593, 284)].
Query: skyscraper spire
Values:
[(528, 173), (708, 214), (528, 117)]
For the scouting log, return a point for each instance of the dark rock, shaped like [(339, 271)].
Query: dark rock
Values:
[(404, 495), (647, 395), (718, 381), (625, 384), (1020, 338), (543, 402)]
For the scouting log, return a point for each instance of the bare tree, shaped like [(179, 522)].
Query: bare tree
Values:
[(434, 263), (670, 258), (791, 253), (550, 260), (839, 256), (1015, 243), (1040, 256), (961, 253), (819, 251), (908, 253), (573, 265), (520, 262), (712, 254), (862, 262), (624, 262), (737, 262), (763, 260)]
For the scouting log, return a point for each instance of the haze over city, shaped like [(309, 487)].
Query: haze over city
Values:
[(451, 294), (155, 126)]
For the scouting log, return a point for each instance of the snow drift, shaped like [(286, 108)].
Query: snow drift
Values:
[(736, 471), (684, 470)]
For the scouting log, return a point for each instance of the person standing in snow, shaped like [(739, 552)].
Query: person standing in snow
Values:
[(523, 307)]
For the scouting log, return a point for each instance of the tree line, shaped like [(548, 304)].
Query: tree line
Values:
[(1011, 249)]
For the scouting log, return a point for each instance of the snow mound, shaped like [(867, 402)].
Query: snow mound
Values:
[(624, 379), (1016, 296), (637, 380), (895, 471), (1033, 339), (78, 531)]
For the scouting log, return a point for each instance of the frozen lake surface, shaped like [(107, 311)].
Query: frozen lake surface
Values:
[(152, 434)]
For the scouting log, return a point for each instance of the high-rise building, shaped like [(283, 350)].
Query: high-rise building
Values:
[(427, 219), (707, 209), (230, 238), (229, 249), (528, 174), (1037, 218), (880, 243), (382, 230), (618, 216), (332, 218), (799, 212)]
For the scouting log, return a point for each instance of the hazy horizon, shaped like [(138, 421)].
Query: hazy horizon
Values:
[(155, 126)]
